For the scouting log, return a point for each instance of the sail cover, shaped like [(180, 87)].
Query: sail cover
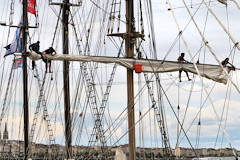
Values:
[(213, 72)]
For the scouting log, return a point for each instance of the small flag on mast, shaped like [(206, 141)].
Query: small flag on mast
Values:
[(17, 63), (31, 6), (15, 46)]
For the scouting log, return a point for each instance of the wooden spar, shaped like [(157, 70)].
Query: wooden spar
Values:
[(68, 131), (25, 79), (129, 49)]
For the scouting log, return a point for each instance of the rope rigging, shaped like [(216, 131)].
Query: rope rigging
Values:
[(41, 101), (210, 51), (90, 36), (223, 110), (6, 95), (98, 132), (55, 32), (160, 119), (115, 14), (185, 112), (226, 116)]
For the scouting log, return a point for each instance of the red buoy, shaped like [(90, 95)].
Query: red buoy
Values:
[(137, 68)]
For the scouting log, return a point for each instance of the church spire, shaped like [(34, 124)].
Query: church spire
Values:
[(5, 133)]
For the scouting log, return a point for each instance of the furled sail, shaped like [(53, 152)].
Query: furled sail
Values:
[(213, 72)]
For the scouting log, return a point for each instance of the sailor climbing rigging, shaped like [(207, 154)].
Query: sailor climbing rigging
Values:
[(35, 47), (49, 51), (182, 60)]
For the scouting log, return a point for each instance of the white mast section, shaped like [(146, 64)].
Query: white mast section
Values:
[(213, 72)]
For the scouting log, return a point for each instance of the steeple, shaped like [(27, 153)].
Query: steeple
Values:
[(5, 133)]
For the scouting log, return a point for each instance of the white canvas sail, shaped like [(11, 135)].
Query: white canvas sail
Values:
[(213, 72)]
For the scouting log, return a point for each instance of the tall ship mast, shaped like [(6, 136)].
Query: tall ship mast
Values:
[(119, 79), (25, 79)]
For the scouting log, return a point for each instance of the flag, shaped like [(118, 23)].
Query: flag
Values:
[(15, 46), (8, 52), (31, 6), (17, 63)]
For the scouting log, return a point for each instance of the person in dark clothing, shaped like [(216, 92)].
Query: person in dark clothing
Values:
[(182, 60), (49, 51), (34, 47), (226, 61)]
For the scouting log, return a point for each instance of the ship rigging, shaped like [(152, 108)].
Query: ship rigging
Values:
[(102, 42)]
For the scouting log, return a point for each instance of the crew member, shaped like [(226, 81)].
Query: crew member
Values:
[(34, 47), (182, 60), (49, 51)]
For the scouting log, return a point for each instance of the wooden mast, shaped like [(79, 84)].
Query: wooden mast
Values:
[(129, 50), (65, 43), (67, 116), (25, 79)]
